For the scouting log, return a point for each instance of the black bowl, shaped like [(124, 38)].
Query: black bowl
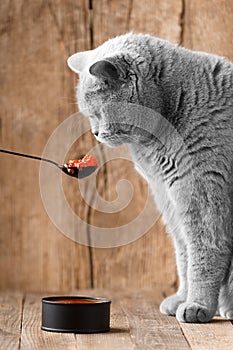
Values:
[(75, 314)]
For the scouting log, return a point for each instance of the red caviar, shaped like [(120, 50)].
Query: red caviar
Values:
[(87, 161)]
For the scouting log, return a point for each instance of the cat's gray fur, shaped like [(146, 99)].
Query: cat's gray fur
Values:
[(191, 176)]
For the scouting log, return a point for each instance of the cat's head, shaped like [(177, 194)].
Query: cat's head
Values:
[(114, 74)]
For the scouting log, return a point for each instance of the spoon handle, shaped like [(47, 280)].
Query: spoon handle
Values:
[(29, 156)]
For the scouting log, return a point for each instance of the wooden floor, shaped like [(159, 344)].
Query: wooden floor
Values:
[(136, 323)]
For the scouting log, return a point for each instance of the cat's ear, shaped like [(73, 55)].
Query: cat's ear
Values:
[(104, 69), (78, 61)]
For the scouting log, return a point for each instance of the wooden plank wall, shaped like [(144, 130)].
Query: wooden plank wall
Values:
[(37, 94)]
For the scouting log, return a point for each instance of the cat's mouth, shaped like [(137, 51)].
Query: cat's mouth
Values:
[(113, 139)]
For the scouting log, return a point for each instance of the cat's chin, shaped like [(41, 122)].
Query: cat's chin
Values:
[(110, 143)]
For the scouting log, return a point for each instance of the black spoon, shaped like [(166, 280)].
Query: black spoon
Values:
[(71, 171)]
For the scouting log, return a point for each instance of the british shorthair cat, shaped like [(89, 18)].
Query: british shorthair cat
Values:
[(174, 107)]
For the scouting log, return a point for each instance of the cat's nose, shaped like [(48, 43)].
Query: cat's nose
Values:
[(96, 133)]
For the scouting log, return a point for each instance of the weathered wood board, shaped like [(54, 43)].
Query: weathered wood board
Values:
[(37, 95), (135, 323)]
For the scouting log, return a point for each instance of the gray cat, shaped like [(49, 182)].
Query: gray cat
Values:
[(174, 107)]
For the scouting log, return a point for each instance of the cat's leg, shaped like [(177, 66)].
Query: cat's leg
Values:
[(209, 249), (171, 303), (207, 266), (225, 305)]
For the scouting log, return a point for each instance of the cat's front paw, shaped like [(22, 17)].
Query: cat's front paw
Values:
[(226, 313), (170, 304), (225, 305), (193, 313)]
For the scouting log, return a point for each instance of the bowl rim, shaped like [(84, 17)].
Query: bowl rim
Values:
[(54, 300)]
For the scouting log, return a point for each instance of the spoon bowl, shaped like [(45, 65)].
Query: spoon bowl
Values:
[(79, 173)]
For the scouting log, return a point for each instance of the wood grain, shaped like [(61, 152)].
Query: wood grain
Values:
[(159, 18), (10, 320), (135, 324), (37, 94), (149, 328), (33, 337), (215, 335), (207, 26)]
